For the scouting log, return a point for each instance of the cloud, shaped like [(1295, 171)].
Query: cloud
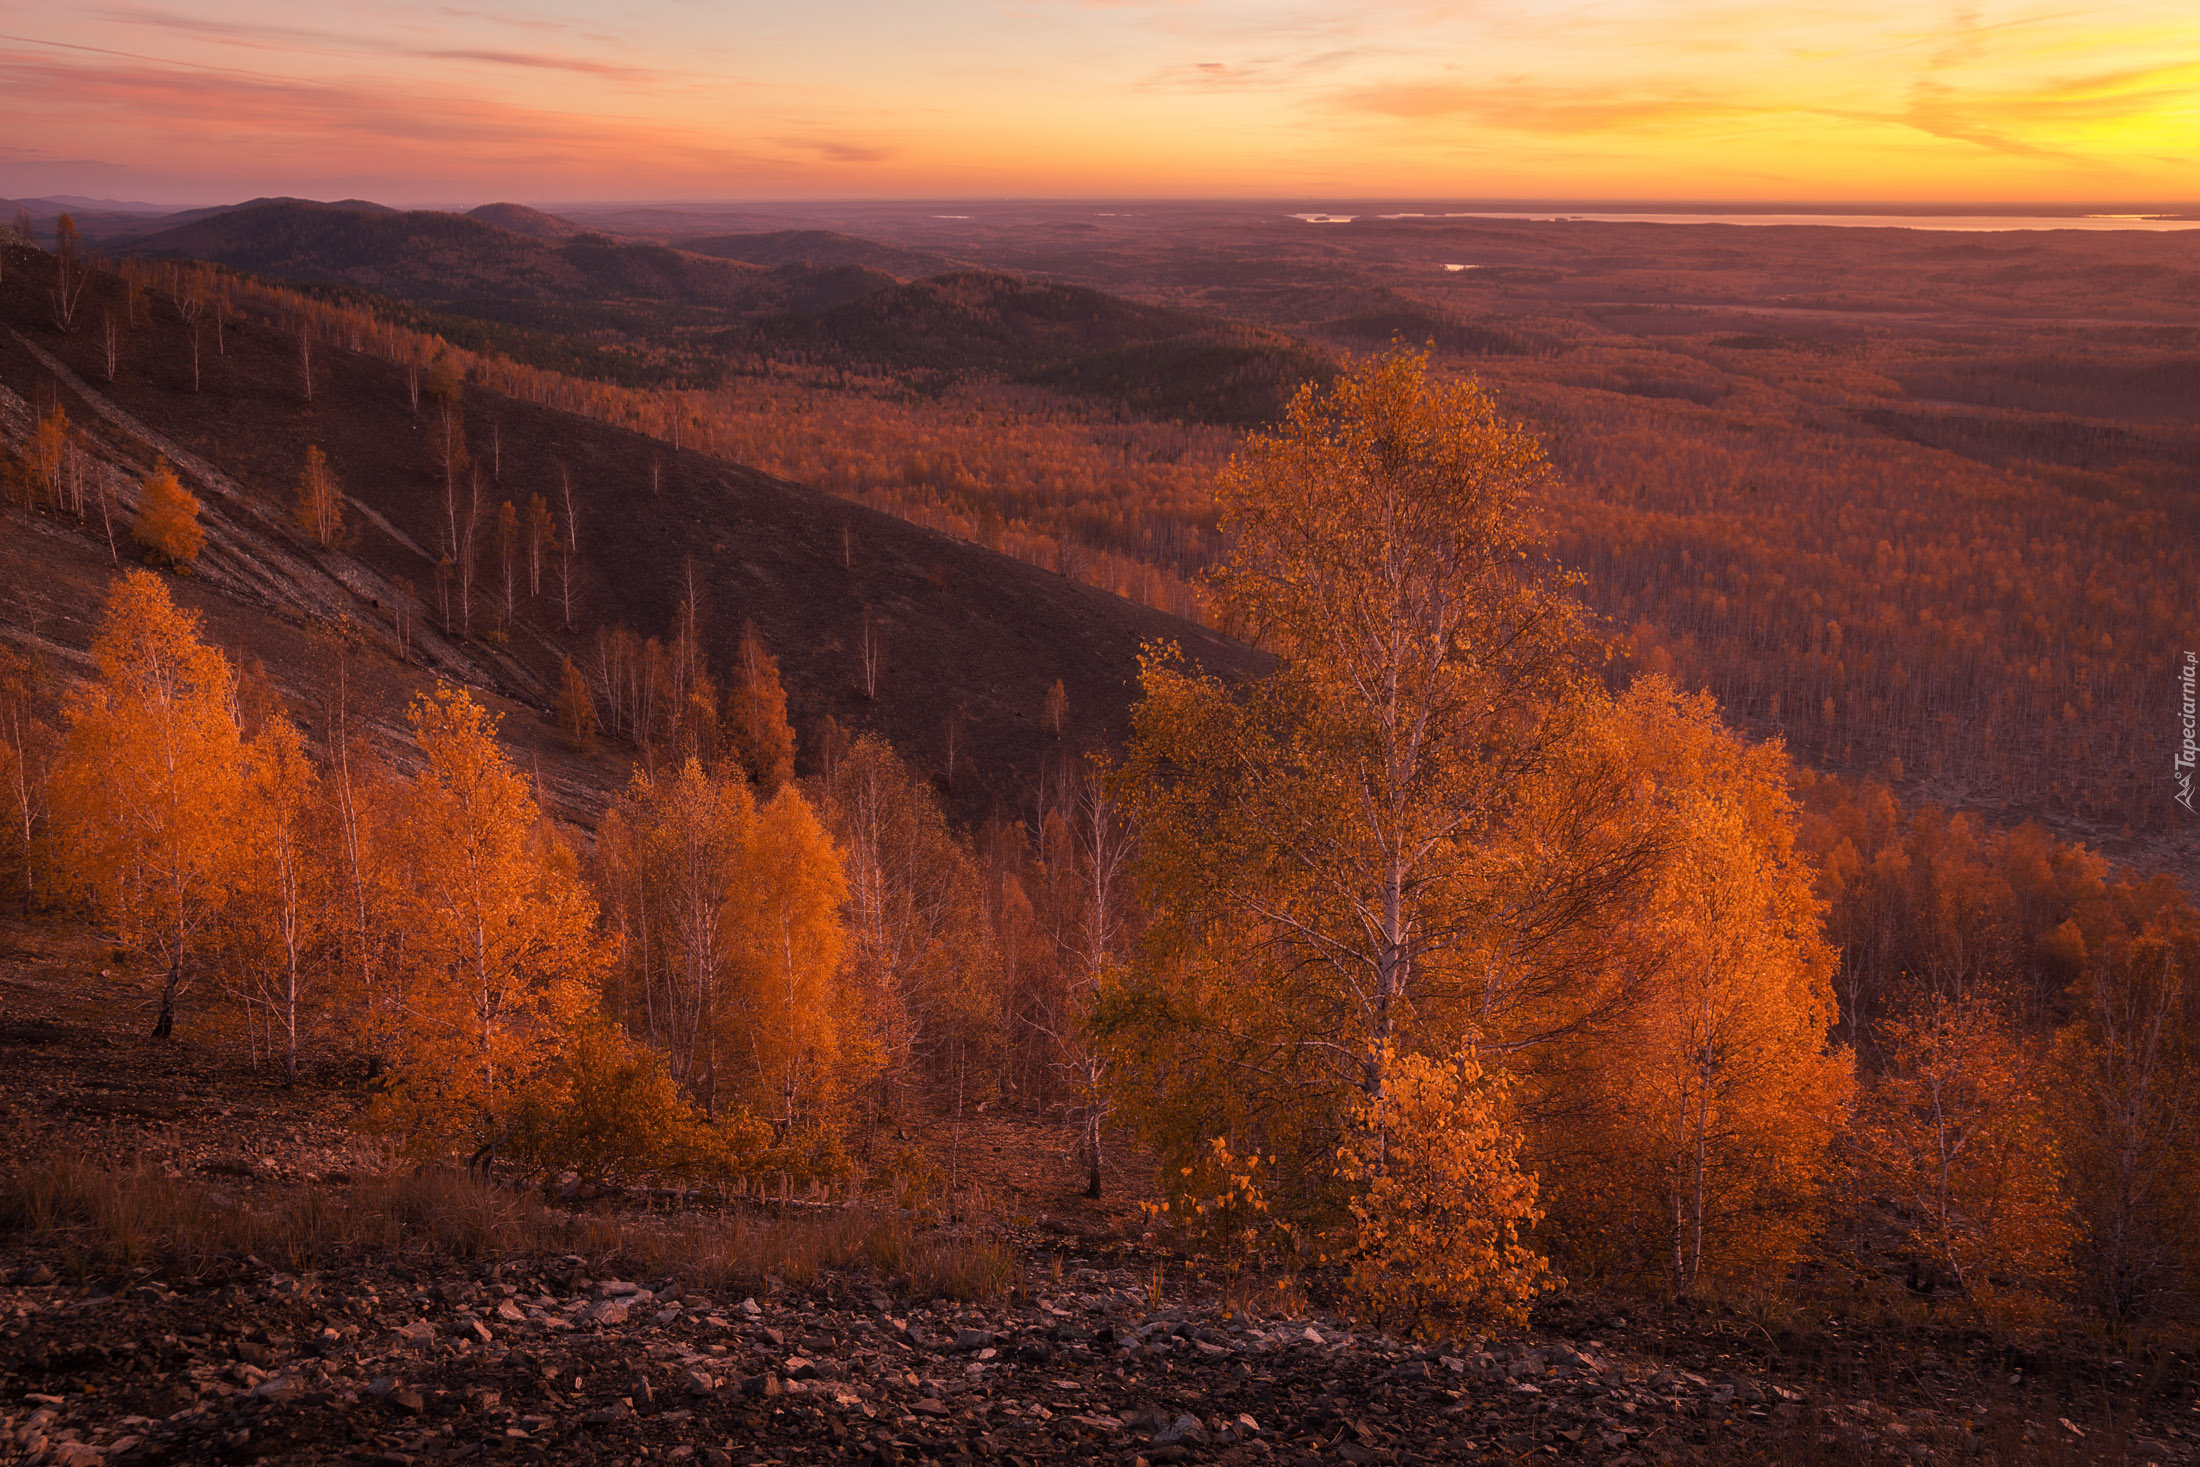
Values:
[(1522, 106), (539, 62), (328, 126), (835, 150), (261, 36)]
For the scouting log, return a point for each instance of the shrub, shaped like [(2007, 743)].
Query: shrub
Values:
[(167, 523), (1440, 1199), (610, 1103)]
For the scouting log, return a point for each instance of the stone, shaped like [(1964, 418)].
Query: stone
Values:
[(1184, 1429)]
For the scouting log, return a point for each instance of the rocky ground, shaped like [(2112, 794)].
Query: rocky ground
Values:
[(536, 1361), (1090, 1342)]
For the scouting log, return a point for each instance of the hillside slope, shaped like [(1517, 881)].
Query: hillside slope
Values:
[(967, 634), (430, 256)]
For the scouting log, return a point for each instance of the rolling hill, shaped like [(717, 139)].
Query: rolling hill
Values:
[(807, 298), (968, 636), (1155, 360), (817, 247)]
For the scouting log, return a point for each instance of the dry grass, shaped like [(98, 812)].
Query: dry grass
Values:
[(104, 1221)]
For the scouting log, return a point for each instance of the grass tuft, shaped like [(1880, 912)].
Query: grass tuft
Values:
[(114, 1221)]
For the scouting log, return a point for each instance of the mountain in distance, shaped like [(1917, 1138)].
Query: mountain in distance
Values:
[(809, 297), (431, 256), (1157, 361), (531, 222), (820, 247)]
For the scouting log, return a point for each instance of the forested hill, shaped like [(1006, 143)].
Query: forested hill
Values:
[(498, 253), (964, 645)]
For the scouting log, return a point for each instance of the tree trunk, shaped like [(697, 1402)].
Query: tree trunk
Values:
[(165, 1025)]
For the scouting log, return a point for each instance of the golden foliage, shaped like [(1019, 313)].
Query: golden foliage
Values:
[(732, 950), (167, 522), (610, 1104), (1395, 842), (280, 907), (2125, 1101), (147, 787), (1956, 1132), (576, 710), (27, 748), (500, 949), (757, 730), (318, 509), (1691, 1137), (918, 945), (1440, 1206)]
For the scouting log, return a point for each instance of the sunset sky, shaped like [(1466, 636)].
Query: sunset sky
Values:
[(414, 102)]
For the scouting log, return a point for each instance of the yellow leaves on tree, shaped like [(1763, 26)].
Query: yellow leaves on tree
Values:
[(576, 710), (167, 522), (609, 1103), (1389, 845), (280, 905), (791, 1009), (1960, 1139), (916, 920), (27, 748), (318, 509), (500, 947), (731, 948), (147, 788), (2126, 1100), (757, 730), (1440, 1206), (1697, 1125), (667, 861)]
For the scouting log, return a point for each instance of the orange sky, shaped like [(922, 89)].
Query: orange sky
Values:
[(463, 102)]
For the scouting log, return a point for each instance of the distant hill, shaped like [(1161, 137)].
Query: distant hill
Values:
[(426, 255), (531, 222), (808, 297), (1154, 359), (820, 247)]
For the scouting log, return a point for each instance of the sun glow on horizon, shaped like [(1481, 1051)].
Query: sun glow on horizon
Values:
[(425, 102)]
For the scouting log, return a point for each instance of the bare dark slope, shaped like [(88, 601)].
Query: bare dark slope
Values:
[(966, 632)]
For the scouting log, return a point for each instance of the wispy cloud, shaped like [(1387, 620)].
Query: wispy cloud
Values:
[(264, 36), (665, 97), (1521, 106)]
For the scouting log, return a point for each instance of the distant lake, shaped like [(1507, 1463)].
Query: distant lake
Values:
[(1962, 223)]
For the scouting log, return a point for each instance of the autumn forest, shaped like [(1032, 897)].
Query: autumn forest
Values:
[(1631, 772)]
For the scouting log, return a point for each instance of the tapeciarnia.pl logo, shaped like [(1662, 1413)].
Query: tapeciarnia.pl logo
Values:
[(2188, 750)]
